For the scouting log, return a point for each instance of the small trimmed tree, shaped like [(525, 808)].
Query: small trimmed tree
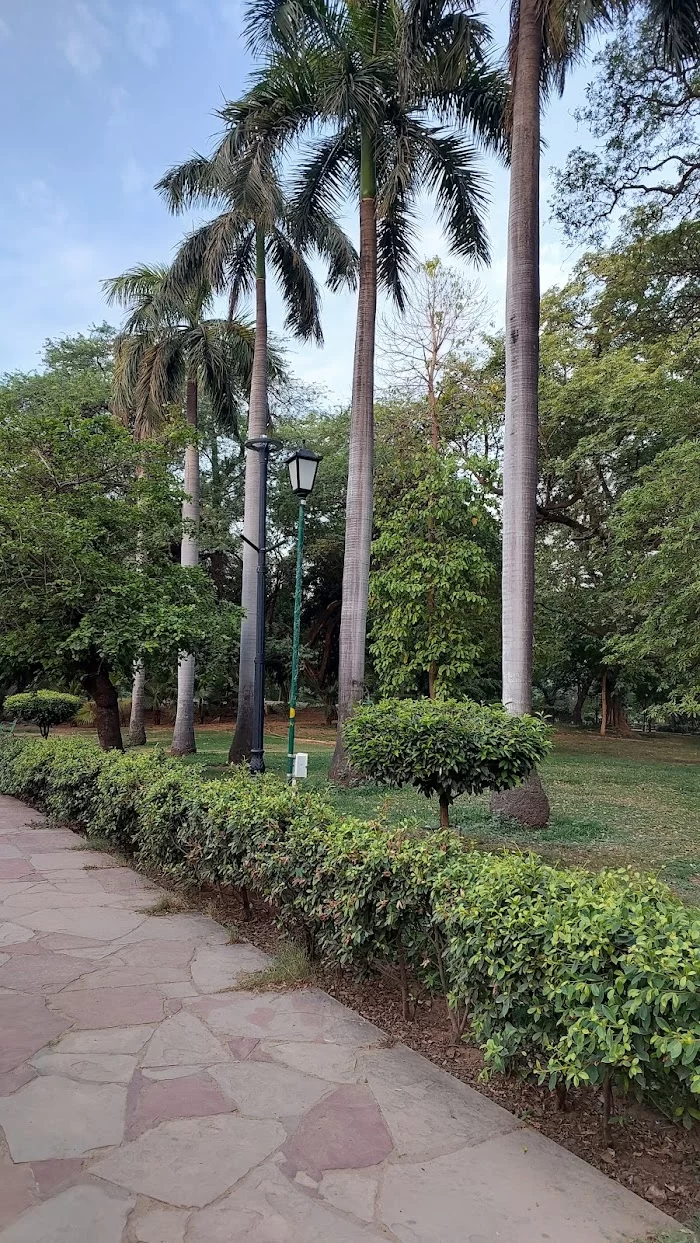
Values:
[(447, 747), (42, 708)]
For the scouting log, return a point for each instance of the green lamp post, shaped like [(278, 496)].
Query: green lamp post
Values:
[(302, 465)]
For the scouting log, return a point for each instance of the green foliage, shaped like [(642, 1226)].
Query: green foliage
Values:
[(429, 588), (446, 748), (658, 559), (82, 507), (644, 118), (568, 977), (42, 708)]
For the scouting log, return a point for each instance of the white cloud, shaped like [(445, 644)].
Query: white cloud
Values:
[(4, 29), (148, 32), (84, 39)]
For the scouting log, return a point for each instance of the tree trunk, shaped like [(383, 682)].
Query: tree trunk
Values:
[(581, 697), (257, 426), (604, 703), (103, 693), (183, 731), (444, 812), (137, 728), (358, 525), (522, 353), (522, 359)]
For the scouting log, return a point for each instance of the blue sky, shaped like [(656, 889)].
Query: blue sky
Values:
[(99, 98)]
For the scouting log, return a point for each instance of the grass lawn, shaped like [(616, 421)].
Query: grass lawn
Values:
[(614, 801)]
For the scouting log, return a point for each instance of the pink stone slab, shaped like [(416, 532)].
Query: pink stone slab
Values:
[(242, 1047), (190, 1096), (156, 954), (15, 869), (27, 1025), (11, 1080), (111, 1007), (52, 1175), (17, 1191), (42, 972), (345, 1131), (124, 977)]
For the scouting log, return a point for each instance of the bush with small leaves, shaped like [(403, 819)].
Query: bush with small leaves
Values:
[(444, 747), (567, 977), (42, 708)]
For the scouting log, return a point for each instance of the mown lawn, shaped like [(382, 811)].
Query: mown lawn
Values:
[(614, 801)]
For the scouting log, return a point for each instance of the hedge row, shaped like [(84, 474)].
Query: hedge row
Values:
[(570, 977)]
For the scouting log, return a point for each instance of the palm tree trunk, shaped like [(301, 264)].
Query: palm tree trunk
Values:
[(522, 356), (522, 361), (358, 524), (137, 727), (257, 426), (183, 732)]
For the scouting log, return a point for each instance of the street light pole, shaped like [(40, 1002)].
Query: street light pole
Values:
[(303, 466), (262, 445), (295, 639)]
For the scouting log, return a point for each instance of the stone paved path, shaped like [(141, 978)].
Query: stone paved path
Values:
[(141, 1102)]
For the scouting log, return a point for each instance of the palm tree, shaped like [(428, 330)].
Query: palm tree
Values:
[(545, 39), (388, 83), (232, 253), (170, 348)]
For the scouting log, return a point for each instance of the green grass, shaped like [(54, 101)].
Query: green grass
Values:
[(614, 801), (290, 968)]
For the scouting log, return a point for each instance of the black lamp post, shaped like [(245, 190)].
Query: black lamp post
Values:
[(262, 445), (302, 466)]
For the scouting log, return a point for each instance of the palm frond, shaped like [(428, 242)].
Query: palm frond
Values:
[(139, 283), (334, 246), (272, 23), (299, 288), (678, 24), (395, 251), (206, 254), (241, 270), (479, 101), (282, 102), (322, 181), (193, 181), (450, 168)]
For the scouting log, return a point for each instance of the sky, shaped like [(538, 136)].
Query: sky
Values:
[(99, 98)]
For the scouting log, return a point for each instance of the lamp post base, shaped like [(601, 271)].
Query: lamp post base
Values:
[(257, 763)]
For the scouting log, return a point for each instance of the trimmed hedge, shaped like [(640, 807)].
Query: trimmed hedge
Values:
[(570, 977), (43, 708), (446, 747)]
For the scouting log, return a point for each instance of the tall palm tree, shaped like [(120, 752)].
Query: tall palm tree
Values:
[(388, 83), (170, 348), (546, 37), (231, 252)]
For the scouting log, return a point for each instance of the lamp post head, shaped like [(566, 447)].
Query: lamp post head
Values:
[(303, 466)]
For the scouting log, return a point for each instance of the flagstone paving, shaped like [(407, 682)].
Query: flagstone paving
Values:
[(142, 1102)]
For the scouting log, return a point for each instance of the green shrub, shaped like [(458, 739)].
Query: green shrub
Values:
[(444, 747), (42, 708), (565, 976), (87, 715)]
